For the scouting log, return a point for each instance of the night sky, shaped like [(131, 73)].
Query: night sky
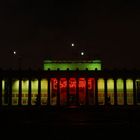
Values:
[(38, 30)]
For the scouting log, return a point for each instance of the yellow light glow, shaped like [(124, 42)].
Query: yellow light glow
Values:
[(101, 99)]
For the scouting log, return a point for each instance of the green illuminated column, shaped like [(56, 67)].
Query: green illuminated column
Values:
[(29, 92), (58, 92), (87, 101), (105, 91), (48, 91), (96, 91), (125, 94), (20, 92), (77, 91), (134, 91), (115, 92)]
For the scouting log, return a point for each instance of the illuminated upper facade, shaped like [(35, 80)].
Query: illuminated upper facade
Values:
[(70, 83), (72, 65)]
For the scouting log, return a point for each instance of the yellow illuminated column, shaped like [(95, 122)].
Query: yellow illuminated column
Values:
[(120, 92), (129, 91), (15, 92), (25, 86), (44, 91), (3, 93), (110, 90), (34, 91), (101, 87)]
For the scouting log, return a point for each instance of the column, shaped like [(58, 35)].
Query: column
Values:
[(96, 91), (125, 94), (77, 91), (58, 92), (134, 92), (10, 91), (39, 92), (68, 96), (0, 91), (105, 92), (49, 91), (87, 101), (20, 92), (29, 93), (115, 92)]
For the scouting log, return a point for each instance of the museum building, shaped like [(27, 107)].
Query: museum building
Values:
[(69, 83)]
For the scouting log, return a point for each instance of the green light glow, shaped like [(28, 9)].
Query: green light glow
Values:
[(72, 65)]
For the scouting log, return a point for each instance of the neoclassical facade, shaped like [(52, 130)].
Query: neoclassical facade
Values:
[(69, 83)]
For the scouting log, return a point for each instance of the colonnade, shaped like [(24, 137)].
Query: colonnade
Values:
[(69, 91)]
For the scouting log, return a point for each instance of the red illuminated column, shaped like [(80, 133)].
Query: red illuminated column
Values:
[(63, 91), (87, 101), (77, 91), (68, 91), (58, 91)]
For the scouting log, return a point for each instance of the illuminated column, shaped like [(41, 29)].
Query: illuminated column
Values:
[(105, 91), (115, 92), (125, 94), (29, 92), (0, 91), (96, 91), (10, 91), (134, 91), (77, 91), (68, 94), (58, 91), (87, 101), (39, 91), (20, 92), (49, 91)]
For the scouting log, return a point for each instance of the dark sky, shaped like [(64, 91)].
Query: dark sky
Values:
[(37, 30)]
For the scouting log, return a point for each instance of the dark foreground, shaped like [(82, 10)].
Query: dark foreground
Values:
[(69, 123)]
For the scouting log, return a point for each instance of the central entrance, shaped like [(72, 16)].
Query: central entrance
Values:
[(72, 91), (73, 98)]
